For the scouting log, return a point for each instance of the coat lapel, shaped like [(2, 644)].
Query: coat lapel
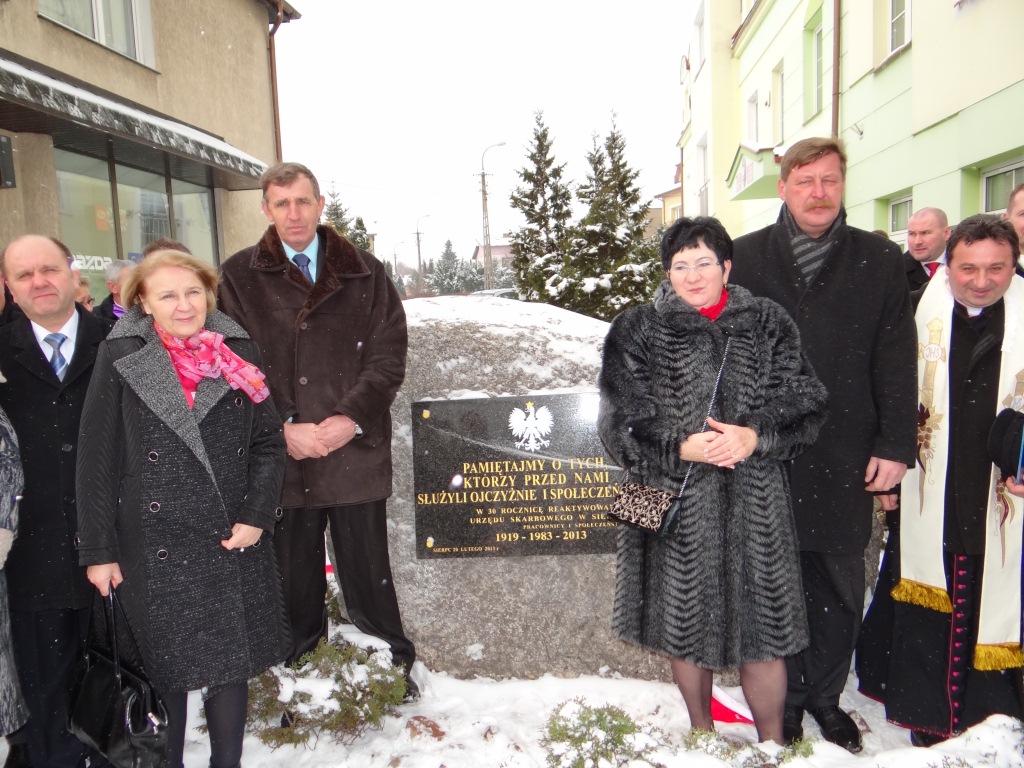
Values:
[(30, 356), (90, 334), (150, 375)]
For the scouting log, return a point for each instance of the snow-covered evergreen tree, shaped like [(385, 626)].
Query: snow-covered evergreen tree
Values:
[(609, 264), (335, 213), (357, 233), (453, 275), (545, 200)]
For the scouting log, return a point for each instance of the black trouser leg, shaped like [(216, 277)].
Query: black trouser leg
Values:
[(47, 646), (299, 545), (834, 591), (359, 534)]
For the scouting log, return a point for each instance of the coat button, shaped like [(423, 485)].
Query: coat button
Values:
[(241, 452), (258, 542), (78, 541), (154, 506), (238, 402), (69, 499), (67, 447), (304, 326), (278, 513), (303, 380), (161, 554), (153, 455)]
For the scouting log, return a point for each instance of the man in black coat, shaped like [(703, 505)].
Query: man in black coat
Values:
[(46, 357), (847, 291), (927, 233)]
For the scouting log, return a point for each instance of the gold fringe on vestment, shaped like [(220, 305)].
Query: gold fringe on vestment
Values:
[(996, 657), (927, 596)]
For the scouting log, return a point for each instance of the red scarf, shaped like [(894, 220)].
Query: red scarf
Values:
[(712, 313), (205, 355)]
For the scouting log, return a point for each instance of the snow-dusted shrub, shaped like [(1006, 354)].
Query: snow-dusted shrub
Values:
[(581, 736), (339, 691)]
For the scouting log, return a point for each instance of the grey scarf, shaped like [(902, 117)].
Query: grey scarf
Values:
[(810, 253)]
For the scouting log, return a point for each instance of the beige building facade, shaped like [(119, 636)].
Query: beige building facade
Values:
[(122, 121)]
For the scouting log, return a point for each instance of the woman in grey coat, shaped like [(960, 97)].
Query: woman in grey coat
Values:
[(722, 588), (181, 459), (13, 713)]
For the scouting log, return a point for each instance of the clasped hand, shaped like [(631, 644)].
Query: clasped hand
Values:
[(724, 445), (313, 441)]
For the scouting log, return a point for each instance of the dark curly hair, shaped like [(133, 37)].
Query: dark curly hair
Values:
[(689, 233)]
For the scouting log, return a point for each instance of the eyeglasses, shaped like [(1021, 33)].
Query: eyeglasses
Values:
[(700, 268)]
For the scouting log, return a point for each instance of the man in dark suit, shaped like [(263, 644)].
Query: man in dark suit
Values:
[(847, 292), (46, 357), (927, 234)]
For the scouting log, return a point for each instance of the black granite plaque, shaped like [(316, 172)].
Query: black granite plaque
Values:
[(505, 476)]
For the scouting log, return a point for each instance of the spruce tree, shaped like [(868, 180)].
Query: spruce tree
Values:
[(545, 200), (357, 233), (609, 264), (335, 213)]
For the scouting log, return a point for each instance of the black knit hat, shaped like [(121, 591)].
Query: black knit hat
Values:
[(1004, 441)]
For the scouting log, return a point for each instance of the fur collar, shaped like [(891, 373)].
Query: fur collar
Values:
[(342, 260), (740, 312)]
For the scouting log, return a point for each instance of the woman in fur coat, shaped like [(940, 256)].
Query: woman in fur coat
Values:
[(13, 712), (721, 589)]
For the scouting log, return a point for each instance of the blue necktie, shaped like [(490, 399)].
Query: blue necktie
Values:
[(302, 262), (57, 361)]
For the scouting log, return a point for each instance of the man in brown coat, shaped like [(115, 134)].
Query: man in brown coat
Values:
[(331, 328)]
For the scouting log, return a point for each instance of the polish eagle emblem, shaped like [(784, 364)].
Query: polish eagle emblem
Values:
[(531, 426)]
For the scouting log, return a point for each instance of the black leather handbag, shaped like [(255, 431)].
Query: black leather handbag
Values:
[(115, 709)]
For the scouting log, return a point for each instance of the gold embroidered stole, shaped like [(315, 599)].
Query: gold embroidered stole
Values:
[(923, 577)]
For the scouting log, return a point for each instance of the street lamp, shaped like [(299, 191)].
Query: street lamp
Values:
[(488, 262), (419, 259)]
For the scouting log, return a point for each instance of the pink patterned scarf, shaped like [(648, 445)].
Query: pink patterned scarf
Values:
[(205, 355)]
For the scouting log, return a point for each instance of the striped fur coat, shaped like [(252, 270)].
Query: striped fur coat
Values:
[(725, 588)]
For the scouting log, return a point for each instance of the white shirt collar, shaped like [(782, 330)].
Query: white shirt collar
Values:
[(67, 348)]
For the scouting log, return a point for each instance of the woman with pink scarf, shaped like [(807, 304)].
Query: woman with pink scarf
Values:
[(181, 460)]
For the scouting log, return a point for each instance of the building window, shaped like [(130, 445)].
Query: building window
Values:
[(702, 192), (899, 27), (814, 66), (121, 25), (88, 220), (819, 69), (752, 128), (899, 215), (779, 103), (999, 183), (698, 37)]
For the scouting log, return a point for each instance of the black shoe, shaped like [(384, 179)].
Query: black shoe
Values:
[(792, 724), (925, 739), (17, 756), (838, 727), (412, 691)]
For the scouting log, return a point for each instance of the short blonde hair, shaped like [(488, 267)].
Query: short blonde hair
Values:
[(806, 151), (134, 287)]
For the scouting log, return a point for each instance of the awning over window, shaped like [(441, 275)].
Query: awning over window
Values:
[(80, 120)]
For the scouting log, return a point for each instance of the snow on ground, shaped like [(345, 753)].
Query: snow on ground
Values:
[(499, 724)]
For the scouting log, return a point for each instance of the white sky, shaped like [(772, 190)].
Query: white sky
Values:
[(396, 101)]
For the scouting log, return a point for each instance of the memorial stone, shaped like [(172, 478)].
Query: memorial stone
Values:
[(502, 613)]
